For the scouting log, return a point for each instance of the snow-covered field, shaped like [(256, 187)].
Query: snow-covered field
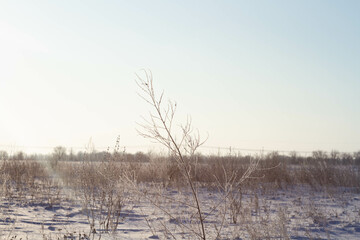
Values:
[(154, 212)]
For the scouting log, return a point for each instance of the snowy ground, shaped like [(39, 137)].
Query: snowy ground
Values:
[(298, 213)]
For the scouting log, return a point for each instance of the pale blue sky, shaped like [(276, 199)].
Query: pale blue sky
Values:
[(281, 75)]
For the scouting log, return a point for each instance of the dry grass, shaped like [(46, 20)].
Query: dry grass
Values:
[(103, 185), (275, 170)]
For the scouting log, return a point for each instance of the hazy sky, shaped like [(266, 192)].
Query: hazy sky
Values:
[(281, 75)]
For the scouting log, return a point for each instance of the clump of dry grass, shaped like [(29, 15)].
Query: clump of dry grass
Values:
[(19, 178), (102, 191), (159, 169)]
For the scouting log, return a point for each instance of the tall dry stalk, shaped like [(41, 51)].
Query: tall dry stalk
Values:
[(160, 129)]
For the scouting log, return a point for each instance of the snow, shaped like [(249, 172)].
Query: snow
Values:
[(153, 212)]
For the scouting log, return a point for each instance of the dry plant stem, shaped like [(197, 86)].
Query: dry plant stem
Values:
[(157, 205), (153, 131), (231, 183)]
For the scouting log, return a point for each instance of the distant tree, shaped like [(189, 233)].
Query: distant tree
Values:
[(19, 156), (319, 155), (293, 154), (4, 155), (335, 155), (71, 155), (141, 157), (80, 156), (294, 157), (357, 157), (59, 154), (347, 158), (273, 155)]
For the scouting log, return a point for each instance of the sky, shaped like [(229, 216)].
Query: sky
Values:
[(278, 75)]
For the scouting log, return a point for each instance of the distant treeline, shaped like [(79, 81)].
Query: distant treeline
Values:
[(61, 154)]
